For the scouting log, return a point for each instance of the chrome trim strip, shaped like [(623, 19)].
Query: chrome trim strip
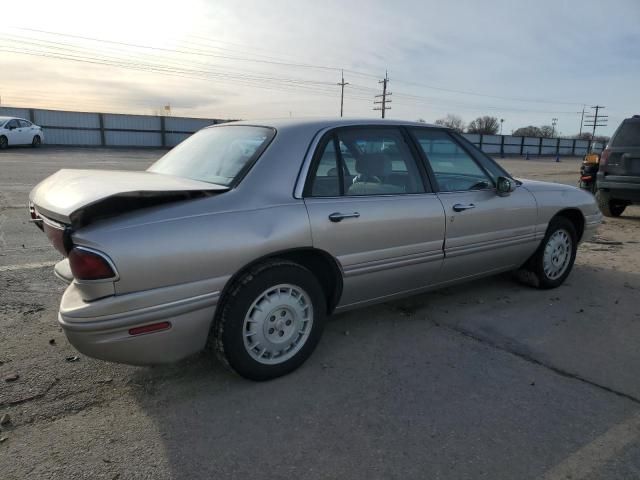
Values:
[(488, 245), (387, 264)]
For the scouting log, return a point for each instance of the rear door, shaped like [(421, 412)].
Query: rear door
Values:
[(26, 133), (370, 207), (485, 233)]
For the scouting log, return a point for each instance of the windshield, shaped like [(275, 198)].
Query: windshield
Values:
[(3, 121), (219, 155)]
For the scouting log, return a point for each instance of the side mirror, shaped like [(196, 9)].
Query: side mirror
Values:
[(505, 186)]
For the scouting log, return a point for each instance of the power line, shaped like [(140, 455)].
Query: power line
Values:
[(208, 53)]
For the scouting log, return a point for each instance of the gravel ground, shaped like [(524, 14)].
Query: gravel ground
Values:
[(491, 380)]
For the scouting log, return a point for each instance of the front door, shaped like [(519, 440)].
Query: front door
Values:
[(485, 233), (369, 207)]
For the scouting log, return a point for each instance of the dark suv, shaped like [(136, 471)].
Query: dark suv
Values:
[(618, 180)]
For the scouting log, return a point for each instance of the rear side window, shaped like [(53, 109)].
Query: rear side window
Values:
[(365, 161), (24, 123), (628, 135)]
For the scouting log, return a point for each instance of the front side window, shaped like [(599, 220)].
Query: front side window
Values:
[(454, 169), (219, 155), (368, 161), (12, 124)]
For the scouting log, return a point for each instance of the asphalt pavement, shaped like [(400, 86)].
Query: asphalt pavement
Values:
[(489, 380)]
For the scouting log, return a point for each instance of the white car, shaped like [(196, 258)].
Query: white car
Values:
[(18, 131)]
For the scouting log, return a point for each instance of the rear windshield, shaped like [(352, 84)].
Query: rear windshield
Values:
[(219, 155), (628, 135)]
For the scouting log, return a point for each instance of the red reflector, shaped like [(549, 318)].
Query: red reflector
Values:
[(586, 177), (154, 327), (88, 265)]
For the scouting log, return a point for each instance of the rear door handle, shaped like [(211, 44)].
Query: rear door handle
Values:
[(338, 217), (460, 207)]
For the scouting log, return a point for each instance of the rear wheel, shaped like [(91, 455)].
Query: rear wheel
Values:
[(608, 206), (36, 142), (4, 143), (553, 261), (271, 320)]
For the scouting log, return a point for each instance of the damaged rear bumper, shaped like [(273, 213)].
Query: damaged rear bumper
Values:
[(102, 328)]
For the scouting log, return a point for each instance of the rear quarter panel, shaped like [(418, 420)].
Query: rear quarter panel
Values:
[(155, 252)]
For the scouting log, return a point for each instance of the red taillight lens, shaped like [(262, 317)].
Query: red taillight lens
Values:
[(56, 237), (604, 156), (88, 265)]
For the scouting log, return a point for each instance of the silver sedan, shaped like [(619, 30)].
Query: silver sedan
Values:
[(247, 235)]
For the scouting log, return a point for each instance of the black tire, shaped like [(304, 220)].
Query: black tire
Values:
[(535, 265), (608, 206), (36, 142), (4, 142), (228, 331)]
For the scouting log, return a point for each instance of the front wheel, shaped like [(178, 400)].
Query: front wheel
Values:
[(4, 143), (271, 320), (553, 261)]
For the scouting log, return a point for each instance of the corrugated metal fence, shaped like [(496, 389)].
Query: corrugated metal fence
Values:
[(118, 130), (510, 145), (109, 129)]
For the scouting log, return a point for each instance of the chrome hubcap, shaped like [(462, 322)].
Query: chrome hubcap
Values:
[(557, 254), (278, 324)]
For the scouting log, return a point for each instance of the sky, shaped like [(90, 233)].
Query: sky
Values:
[(524, 62)]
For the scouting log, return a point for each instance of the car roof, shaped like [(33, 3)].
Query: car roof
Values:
[(320, 123), (2, 119)]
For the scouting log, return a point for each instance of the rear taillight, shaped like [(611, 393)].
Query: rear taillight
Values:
[(604, 156), (58, 236), (90, 265)]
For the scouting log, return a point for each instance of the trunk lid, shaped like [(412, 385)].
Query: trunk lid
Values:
[(78, 197)]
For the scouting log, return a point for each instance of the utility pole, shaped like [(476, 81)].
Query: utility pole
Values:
[(383, 103), (554, 122), (596, 120), (581, 121), (341, 85)]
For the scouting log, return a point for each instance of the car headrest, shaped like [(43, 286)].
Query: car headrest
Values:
[(374, 164)]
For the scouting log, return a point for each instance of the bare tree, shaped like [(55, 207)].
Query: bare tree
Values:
[(529, 131), (486, 125), (451, 121), (546, 131)]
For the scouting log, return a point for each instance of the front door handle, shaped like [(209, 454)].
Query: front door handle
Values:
[(461, 207), (338, 217)]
